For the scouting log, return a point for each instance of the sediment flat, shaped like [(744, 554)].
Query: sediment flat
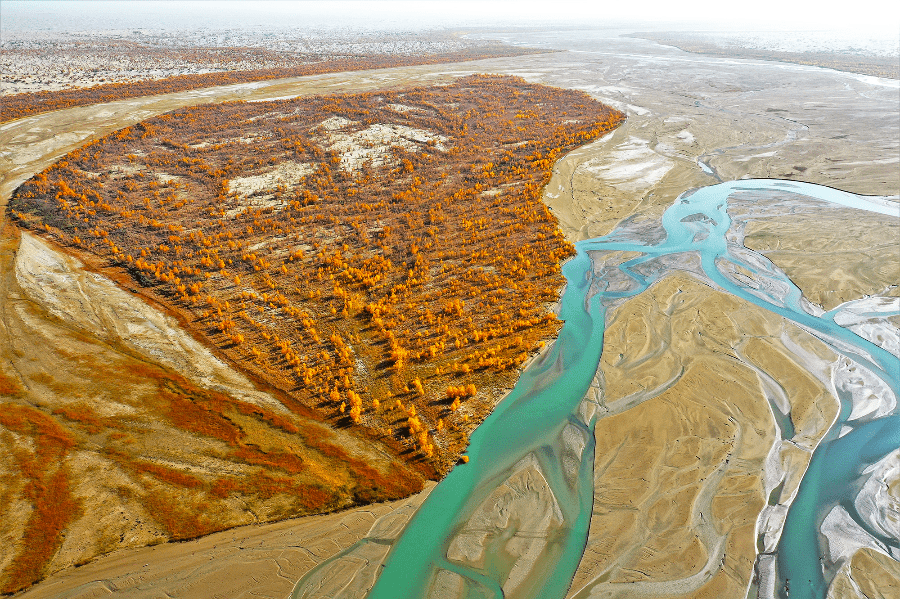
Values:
[(690, 454), (259, 561)]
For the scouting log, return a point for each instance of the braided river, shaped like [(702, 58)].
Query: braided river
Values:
[(546, 418)]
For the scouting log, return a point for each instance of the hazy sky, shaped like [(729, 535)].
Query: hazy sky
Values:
[(880, 16)]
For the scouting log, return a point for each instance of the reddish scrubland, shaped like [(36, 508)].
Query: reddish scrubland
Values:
[(383, 260), (248, 465), (44, 481)]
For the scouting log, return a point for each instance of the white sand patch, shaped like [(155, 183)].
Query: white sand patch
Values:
[(286, 173), (762, 155), (374, 143), (638, 110), (868, 395), (404, 108), (113, 409), (167, 178), (875, 503), (336, 122), (892, 202), (887, 160), (670, 151), (625, 107), (252, 190), (867, 317), (630, 166), (846, 537), (771, 524), (686, 136), (123, 170), (275, 99), (607, 89)]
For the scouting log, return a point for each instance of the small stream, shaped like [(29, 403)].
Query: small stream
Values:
[(536, 420)]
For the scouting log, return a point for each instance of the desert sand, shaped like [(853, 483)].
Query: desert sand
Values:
[(689, 455)]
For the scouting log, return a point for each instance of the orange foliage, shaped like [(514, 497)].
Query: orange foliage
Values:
[(431, 267), (180, 520), (83, 415), (461, 391), (8, 386), (276, 459), (55, 441), (197, 414), (171, 476)]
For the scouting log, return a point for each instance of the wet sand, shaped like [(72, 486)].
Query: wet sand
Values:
[(716, 454), (869, 575), (833, 254)]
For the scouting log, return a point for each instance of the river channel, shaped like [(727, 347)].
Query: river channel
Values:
[(544, 419)]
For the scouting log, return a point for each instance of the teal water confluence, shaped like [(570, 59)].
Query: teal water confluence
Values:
[(542, 403), (547, 400)]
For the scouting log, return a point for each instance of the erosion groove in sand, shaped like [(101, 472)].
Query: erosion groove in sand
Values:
[(264, 561), (94, 304)]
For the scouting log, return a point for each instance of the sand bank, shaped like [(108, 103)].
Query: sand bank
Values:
[(98, 306), (833, 254), (684, 470), (258, 561)]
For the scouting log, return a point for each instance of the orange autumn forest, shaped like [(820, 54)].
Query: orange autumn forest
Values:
[(383, 262)]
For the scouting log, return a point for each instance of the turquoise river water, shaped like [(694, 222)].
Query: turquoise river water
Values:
[(548, 397)]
